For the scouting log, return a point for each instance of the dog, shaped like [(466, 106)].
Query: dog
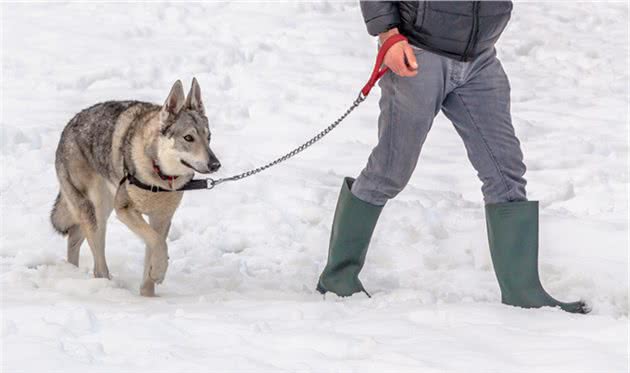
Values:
[(101, 146)]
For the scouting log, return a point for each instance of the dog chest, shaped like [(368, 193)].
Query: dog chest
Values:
[(151, 203)]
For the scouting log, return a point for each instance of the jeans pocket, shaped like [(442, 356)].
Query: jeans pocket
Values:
[(417, 50)]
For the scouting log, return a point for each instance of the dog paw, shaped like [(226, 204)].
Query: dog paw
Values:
[(148, 289), (157, 272), (102, 274)]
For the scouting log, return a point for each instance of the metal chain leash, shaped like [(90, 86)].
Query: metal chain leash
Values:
[(212, 182), (209, 183), (377, 72)]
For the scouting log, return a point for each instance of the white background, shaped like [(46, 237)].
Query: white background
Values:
[(239, 294)]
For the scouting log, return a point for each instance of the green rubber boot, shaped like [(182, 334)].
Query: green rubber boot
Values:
[(513, 237), (352, 229)]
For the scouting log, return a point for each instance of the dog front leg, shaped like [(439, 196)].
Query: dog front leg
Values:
[(156, 255), (161, 224)]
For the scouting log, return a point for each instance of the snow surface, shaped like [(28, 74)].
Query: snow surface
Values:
[(239, 294)]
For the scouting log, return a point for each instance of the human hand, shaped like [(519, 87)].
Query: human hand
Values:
[(400, 57)]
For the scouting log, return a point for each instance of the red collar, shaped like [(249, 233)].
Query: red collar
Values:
[(162, 176)]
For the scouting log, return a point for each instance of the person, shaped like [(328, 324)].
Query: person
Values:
[(449, 63)]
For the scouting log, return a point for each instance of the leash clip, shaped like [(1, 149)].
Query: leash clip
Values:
[(210, 183)]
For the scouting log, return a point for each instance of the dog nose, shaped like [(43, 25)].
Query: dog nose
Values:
[(214, 165)]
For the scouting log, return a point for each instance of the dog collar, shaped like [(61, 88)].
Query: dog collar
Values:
[(190, 185), (163, 176)]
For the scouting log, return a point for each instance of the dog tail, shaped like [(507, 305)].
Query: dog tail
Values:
[(60, 216)]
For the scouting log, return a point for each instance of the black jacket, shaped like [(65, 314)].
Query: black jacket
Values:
[(457, 29)]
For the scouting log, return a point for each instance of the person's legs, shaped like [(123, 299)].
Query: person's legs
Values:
[(408, 106), (480, 110)]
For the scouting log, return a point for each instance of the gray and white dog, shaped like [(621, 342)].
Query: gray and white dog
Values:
[(159, 145)]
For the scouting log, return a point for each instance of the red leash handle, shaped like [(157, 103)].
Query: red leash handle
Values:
[(378, 72)]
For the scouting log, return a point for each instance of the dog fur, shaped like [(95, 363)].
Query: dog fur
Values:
[(103, 142)]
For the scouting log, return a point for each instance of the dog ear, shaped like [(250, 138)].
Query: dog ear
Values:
[(174, 102), (193, 100)]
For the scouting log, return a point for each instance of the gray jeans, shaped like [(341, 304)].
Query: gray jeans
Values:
[(475, 96)]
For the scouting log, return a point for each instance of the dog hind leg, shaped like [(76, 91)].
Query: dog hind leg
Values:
[(75, 239), (73, 213), (90, 211), (102, 201)]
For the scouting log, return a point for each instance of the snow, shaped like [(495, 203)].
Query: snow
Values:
[(239, 294)]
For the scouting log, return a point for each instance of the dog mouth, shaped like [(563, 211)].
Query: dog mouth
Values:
[(193, 168)]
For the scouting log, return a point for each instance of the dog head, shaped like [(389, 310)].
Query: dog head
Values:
[(184, 140)]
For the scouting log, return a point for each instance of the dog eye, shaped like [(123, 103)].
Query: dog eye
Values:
[(189, 138)]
